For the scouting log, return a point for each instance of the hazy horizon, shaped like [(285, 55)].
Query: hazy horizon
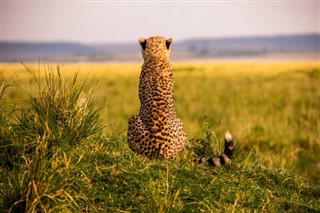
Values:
[(124, 22), (175, 40)]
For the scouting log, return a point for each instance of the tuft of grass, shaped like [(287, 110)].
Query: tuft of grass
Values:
[(41, 185), (36, 175), (62, 112), (63, 109), (6, 150)]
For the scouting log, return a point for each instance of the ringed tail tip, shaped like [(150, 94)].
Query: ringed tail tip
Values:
[(228, 136)]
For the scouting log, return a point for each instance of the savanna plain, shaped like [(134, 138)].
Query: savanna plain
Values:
[(63, 139)]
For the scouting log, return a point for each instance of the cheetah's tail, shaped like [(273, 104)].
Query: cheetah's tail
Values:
[(223, 159)]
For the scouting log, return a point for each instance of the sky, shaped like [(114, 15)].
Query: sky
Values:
[(124, 21)]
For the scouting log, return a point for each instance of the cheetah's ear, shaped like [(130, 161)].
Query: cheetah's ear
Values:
[(143, 43), (168, 43)]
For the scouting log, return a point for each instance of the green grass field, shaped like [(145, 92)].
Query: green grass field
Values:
[(63, 139)]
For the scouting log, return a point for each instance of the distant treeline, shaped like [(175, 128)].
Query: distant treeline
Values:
[(296, 46)]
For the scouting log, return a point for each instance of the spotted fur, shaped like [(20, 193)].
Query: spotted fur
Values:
[(156, 131)]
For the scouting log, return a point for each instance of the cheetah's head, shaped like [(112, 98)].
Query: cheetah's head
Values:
[(155, 48)]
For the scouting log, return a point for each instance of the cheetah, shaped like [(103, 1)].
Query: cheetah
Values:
[(156, 131)]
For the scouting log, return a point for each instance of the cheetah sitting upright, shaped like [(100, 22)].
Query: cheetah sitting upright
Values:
[(156, 131)]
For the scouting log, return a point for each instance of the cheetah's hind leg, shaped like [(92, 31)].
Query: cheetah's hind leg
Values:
[(137, 134)]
